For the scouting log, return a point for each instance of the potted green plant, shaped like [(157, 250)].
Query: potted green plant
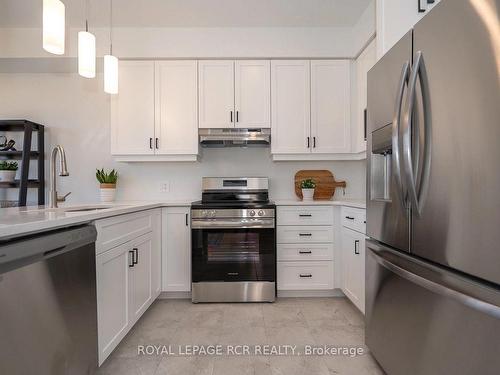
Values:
[(308, 185), (107, 183), (8, 171)]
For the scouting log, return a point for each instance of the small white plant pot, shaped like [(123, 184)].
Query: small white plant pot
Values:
[(7, 176), (307, 194), (108, 192)]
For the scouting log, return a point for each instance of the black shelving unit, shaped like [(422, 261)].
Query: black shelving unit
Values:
[(25, 156)]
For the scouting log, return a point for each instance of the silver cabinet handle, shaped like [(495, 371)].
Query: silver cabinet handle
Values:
[(131, 258), (410, 165), (151, 143), (305, 252), (356, 247), (305, 234), (308, 142), (305, 215), (231, 116), (396, 122), (304, 276), (135, 256), (237, 116)]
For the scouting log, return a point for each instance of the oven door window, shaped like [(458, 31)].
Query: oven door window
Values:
[(233, 255)]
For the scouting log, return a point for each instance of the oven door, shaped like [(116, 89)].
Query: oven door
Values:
[(234, 250)]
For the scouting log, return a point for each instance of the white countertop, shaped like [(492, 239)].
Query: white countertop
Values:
[(16, 221), (357, 203)]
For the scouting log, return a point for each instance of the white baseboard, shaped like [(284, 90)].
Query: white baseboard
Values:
[(281, 293), (175, 295), (311, 293)]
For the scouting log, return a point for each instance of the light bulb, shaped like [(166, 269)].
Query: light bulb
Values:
[(53, 26), (86, 54), (110, 74)]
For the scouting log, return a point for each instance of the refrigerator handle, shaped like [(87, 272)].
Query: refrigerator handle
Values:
[(427, 277), (417, 195), (396, 156)]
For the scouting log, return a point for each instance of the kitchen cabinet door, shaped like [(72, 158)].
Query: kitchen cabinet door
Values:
[(176, 130), (216, 94), (140, 276), (176, 252), (156, 254), (291, 111), (113, 320), (330, 106), (353, 265), (364, 63), (132, 110), (252, 93)]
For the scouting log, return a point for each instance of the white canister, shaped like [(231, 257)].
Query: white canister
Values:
[(108, 192), (7, 176), (307, 194)]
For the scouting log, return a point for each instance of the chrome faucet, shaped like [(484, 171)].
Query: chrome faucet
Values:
[(53, 197)]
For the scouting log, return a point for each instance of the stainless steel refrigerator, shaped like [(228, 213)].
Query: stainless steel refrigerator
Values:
[(433, 195)]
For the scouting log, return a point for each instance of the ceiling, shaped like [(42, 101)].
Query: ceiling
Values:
[(192, 13)]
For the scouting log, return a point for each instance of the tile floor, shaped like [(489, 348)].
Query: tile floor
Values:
[(289, 321)]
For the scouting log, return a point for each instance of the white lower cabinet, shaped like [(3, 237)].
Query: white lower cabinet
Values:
[(176, 252), (128, 277), (305, 251), (112, 298), (305, 275), (140, 276), (353, 266)]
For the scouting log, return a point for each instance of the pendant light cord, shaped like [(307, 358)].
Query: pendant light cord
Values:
[(110, 27), (87, 15)]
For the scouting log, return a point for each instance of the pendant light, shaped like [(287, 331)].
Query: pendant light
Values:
[(110, 61), (86, 50), (53, 26)]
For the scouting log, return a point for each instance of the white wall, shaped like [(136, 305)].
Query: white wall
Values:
[(174, 42), (394, 19), (76, 112)]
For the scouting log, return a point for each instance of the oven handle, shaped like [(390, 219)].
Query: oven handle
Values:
[(232, 223)]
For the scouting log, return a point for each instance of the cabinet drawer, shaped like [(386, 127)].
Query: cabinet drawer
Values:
[(300, 234), (354, 218), (305, 275), (308, 252), (117, 230), (304, 215)]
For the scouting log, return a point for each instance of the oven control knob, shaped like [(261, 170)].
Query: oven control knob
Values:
[(261, 213), (204, 213), (213, 213), (252, 213)]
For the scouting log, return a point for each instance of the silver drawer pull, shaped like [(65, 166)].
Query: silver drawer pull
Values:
[(305, 234), (304, 276), (233, 273), (305, 252)]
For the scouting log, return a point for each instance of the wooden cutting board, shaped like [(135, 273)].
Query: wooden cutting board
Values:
[(325, 183)]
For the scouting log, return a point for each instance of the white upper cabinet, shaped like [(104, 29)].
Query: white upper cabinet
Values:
[(364, 63), (216, 94), (252, 94), (330, 106), (132, 110), (290, 103), (176, 130)]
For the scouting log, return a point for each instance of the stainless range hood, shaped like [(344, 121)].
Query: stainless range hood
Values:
[(232, 137)]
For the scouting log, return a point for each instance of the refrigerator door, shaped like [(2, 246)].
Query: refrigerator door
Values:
[(387, 217), (456, 204), (425, 320)]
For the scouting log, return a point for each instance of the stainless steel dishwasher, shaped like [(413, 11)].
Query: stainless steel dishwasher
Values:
[(48, 313)]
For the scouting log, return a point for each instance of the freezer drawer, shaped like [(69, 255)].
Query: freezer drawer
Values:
[(425, 320)]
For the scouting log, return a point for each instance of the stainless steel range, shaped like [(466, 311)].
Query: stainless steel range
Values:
[(233, 241)]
